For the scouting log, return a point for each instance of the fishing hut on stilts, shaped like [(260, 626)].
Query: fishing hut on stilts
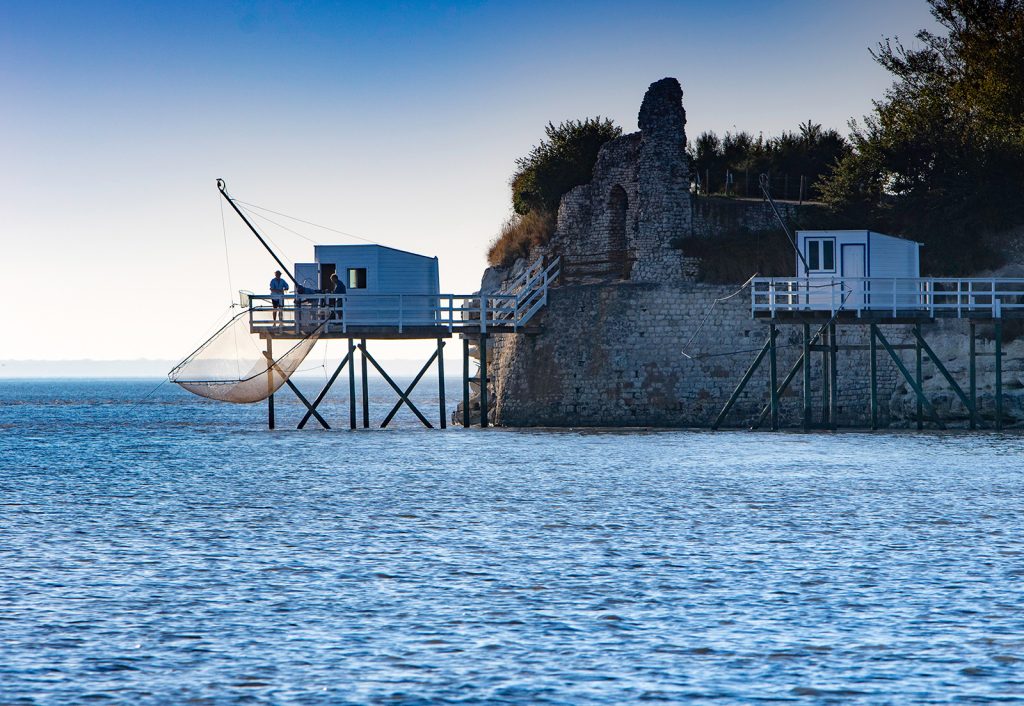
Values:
[(857, 282), (388, 295)]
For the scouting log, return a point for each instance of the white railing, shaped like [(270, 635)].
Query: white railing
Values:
[(934, 296), (304, 313)]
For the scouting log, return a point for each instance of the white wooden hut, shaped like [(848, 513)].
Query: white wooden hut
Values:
[(385, 286), (859, 269)]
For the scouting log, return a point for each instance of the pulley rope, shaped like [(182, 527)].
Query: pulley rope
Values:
[(309, 223)]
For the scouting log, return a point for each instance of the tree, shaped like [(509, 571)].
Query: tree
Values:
[(563, 160), (941, 156)]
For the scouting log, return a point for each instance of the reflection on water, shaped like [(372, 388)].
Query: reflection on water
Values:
[(180, 553)]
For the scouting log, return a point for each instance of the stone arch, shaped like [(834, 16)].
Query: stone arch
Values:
[(618, 243)]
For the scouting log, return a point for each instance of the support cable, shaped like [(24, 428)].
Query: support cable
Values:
[(707, 315), (310, 223)]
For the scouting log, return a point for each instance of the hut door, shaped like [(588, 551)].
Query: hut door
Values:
[(853, 273)]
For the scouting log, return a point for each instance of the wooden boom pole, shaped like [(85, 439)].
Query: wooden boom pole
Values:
[(223, 188)]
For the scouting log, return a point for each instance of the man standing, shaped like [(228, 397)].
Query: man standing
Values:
[(277, 289), (337, 287)]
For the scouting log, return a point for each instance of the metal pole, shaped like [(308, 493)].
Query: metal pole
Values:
[(351, 385), (999, 375), (466, 421), (773, 377), (807, 376), (483, 381), (442, 403), (973, 378), (366, 386), (873, 346)]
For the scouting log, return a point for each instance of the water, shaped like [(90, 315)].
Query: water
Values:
[(180, 553)]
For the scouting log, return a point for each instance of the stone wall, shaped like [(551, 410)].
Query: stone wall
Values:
[(610, 351)]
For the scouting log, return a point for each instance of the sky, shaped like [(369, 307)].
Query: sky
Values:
[(397, 122)]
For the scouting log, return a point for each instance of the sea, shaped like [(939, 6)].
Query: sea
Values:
[(158, 548)]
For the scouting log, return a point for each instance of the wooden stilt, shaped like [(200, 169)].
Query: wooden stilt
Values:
[(999, 374), (909, 378), (967, 402), (918, 376), (807, 376), (825, 378), (873, 353), (833, 376), (442, 403), (466, 421), (351, 386), (483, 381), (323, 393), (402, 394), (366, 387), (773, 378), (743, 383), (270, 384), (972, 371)]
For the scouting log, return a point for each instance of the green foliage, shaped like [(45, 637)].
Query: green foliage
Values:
[(810, 152), (563, 160), (941, 157)]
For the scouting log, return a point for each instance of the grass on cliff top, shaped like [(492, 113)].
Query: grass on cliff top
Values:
[(518, 235)]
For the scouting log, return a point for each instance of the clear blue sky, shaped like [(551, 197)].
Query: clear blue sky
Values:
[(398, 122)]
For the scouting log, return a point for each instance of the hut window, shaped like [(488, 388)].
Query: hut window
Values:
[(357, 278), (821, 255)]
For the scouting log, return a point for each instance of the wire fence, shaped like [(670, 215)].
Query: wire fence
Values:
[(746, 184)]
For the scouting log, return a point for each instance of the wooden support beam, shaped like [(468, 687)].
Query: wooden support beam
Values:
[(916, 330), (441, 402), (825, 377), (907, 376), (466, 421), (807, 377), (773, 381), (270, 385), (394, 386), (310, 409), (366, 388), (351, 385), (743, 381), (324, 391), (790, 376), (874, 376), (833, 377), (999, 374), (972, 372), (483, 381), (406, 396), (967, 402)]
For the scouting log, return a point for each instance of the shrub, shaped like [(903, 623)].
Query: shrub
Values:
[(563, 160), (518, 235)]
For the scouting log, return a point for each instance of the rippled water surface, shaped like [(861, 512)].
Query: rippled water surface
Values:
[(180, 553)]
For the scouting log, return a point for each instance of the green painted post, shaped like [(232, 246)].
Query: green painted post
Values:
[(999, 375), (825, 378), (270, 379), (773, 378), (874, 378), (974, 378), (918, 376), (807, 376)]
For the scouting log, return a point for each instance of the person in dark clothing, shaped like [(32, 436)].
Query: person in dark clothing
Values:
[(337, 287), (277, 289)]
